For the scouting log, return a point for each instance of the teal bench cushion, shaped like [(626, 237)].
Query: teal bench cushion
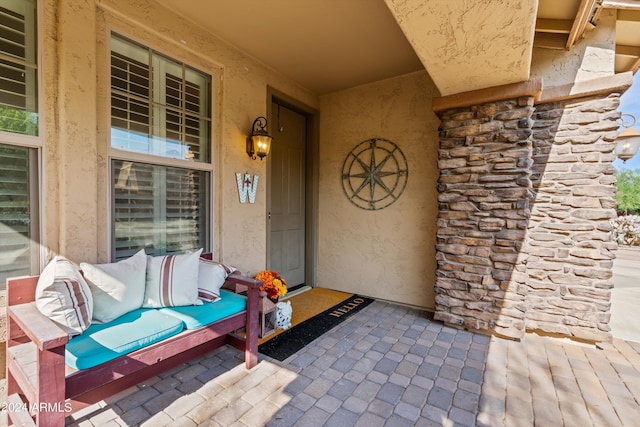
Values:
[(197, 316), (102, 342)]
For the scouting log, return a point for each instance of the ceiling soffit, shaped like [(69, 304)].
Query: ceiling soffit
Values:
[(560, 25), (628, 38), (324, 45)]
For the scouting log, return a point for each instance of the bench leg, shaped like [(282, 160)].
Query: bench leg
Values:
[(50, 409), (251, 339), (16, 408)]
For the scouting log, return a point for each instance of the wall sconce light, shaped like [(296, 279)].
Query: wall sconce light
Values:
[(628, 140), (259, 143)]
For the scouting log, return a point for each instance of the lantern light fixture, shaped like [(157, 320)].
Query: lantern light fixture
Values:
[(628, 140), (259, 143)]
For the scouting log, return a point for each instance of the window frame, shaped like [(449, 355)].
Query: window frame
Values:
[(23, 139), (116, 154), (37, 149)]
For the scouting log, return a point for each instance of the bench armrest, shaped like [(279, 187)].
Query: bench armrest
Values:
[(249, 282), (41, 330)]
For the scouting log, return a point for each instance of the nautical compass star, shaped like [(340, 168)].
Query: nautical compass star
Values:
[(385, 179), (373, 173)]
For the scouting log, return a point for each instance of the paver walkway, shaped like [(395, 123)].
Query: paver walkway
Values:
[(389, 365), (625, 296)]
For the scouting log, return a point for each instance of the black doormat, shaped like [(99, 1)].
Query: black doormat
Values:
[(290, 341)]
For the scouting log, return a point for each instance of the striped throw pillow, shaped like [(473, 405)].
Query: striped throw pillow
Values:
[(172, 280), (63, 296), (211, 277)]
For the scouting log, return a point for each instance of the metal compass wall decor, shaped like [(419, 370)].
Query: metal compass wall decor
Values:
[(374, 174)]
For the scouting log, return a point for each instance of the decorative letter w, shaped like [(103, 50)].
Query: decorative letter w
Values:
[(246, 187)]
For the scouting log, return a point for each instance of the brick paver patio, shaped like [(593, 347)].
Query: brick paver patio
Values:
[(390, 366)]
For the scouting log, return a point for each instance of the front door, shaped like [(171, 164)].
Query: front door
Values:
[(287, 194)]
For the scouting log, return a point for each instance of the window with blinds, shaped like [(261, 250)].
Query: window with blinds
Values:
[(159, 108), (18, 67), (18, 224), (19, 207), (161, 209)]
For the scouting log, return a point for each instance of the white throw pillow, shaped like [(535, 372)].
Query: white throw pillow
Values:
[(63, 296), (172, 280), (117, 288), (211, 277)]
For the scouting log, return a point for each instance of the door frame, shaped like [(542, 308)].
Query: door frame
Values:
[(311, 179)]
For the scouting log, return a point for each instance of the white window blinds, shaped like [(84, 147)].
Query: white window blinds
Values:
[(18, 227), (18, 67), (159, 108), (161, 209)]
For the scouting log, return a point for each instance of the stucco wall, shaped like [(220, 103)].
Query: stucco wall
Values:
[(75, 63), (591, 57), (387, 253)]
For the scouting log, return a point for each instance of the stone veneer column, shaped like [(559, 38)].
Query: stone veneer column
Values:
[(570, 253), (485, 161), (525, 196)]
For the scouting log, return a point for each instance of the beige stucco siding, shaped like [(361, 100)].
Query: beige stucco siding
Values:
[(76, 162), (387, 253), (590, 58)]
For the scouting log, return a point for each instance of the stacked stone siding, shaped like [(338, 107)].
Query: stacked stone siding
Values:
[(485, 161), (525, 195), (570, 253)]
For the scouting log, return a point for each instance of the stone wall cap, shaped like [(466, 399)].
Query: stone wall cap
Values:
[(532, 87), (602, 85)]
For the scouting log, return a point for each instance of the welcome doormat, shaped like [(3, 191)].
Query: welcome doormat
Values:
[(290, 341)]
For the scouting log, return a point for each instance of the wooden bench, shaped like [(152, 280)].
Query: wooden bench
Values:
[(42, 390)]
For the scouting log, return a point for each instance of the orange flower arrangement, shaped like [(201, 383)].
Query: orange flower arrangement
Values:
[(272, 284)]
